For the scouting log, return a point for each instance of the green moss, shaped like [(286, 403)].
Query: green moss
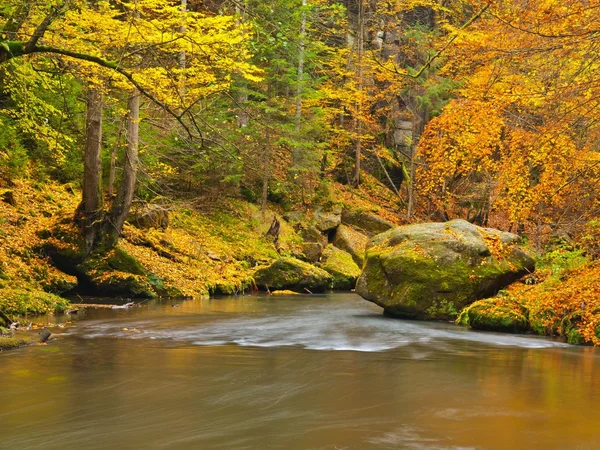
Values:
[(123, 284), (496, 314), (569, 328), (341, 266), (430, 271), (162, 288), (293, 274), (122, 261), (9, 343), (22, 302)]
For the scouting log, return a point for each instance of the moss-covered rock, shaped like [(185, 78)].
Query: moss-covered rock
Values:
[(496, 314), (313, 245), (22, 301), (432, 271), (326, 221), (293, 274), (57, 282), (570, 330), (10, 343), (119, 259), (369, 223), (341, 266), (352, 242)]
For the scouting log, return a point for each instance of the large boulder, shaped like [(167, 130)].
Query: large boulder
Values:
[(293, 274), (351, 241), (369, 223), (341, 266), (433, 270)]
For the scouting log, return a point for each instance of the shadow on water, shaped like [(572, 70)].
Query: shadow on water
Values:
[(316, 372)]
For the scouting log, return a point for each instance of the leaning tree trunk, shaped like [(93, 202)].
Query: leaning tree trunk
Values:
[(91, 208), (122, 204)]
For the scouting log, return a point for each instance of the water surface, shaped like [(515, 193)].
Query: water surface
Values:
[(309, 372)]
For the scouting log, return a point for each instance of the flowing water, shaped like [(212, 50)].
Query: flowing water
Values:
[(309, 372)]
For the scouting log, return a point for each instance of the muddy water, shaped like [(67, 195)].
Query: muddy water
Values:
[(317, 372)]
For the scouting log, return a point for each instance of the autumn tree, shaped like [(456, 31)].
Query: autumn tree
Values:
[(142, 43), (520, 140)]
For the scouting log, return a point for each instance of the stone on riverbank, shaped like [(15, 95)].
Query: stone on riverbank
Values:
[(293, 274), (496, 314), (341, 266), (433, 270), (367, 222), (351, 241)]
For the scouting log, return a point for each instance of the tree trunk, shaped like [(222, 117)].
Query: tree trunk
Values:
[(182, 55), (113, 159), (122, 203), (357, 120), (266, 172), (420, 119), (243, 118), (297, 153), (92, 205)]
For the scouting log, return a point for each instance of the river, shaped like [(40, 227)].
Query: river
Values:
[(300, 372)]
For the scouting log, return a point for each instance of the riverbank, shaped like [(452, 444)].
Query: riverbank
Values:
[(190, 252), (218, 250)]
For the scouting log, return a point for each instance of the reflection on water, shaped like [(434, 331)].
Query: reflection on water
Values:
[(318, 372)]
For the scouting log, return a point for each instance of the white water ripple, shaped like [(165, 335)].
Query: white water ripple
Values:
[(320, 324)]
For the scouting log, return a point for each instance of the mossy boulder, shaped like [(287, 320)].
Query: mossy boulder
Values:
[(20, 302), (326, 221), (496, 314), (433, 270), (10, 343), (293, 274), (114, 273), (352, 242), (367, 222), (149, 217), (341, 266), (57, 282), (313, 245)]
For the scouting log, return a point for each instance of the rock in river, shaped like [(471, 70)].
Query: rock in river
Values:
[(293, 274), (433, 270)]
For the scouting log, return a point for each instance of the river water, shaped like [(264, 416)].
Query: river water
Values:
[(309, 372)]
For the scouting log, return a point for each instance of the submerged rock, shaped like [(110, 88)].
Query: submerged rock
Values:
[(293, 274), (433, 270), (351, 241), (341, 266)]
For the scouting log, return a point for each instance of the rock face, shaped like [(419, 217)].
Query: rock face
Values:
[(351, 241), (433, 270), (293, 274), (341, 266)]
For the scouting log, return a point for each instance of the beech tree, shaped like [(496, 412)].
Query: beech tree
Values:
[(109, 41)]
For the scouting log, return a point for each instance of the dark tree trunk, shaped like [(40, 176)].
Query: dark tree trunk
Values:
[(91, 208), (122, 203)]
